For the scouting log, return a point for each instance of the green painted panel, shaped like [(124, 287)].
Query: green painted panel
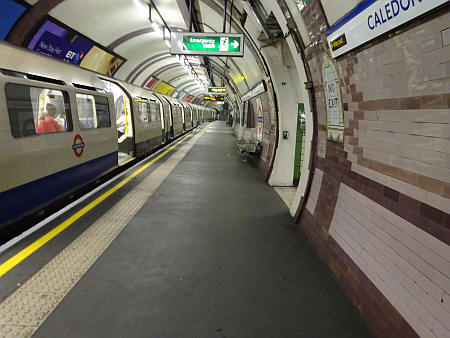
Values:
[(298, 145)]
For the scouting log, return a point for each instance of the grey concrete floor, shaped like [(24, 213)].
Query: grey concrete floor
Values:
[(213, 253)]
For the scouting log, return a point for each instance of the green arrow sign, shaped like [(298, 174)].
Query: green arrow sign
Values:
[(207, 44), (211, 43)]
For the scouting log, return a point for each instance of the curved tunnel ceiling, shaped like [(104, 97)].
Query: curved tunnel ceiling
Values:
[(123, 27)]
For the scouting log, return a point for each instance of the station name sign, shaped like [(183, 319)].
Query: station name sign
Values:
[(373, 18), (213, 98), (217, 90), (258, 89), (214, 44)]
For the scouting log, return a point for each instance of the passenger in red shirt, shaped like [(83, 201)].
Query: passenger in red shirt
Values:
[(49, 124)]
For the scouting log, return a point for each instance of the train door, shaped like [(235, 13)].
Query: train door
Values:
[(124, 120), (166, 117), (183, 116)]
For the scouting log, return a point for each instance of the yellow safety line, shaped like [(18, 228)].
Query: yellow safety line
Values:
[(125, 162), (126, 116), (22, 255)]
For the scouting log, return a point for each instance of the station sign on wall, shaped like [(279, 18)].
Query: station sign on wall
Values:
[(373, 18), (215, 44), (258, 89)]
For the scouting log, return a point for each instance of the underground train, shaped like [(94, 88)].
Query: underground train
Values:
[(59, 128)]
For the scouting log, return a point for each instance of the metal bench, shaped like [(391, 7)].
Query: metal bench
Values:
[(252, 146)]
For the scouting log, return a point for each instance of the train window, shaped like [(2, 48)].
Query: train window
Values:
[(93, 111), (35, 110), (177, 110), (144, 111), (155, 111)]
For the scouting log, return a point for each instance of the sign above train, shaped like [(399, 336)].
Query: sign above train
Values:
[(213, 98), (373, 18), (217, 90), (214, 44)]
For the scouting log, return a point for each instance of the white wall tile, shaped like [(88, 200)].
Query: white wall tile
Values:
[(397, 257)]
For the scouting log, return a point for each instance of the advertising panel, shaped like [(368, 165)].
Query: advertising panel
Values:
[(67, 45), (188, 98), (10, 12), (150, 83), (182, 95), (164, 88)]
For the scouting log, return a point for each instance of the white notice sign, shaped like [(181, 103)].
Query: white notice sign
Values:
[(334, 111), (259, 135), (335, 119)]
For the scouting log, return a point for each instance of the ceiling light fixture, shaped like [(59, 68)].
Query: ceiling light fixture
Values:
[(140, 5)]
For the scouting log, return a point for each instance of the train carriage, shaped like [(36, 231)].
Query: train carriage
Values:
[(148, 119), (39, 164), (60, 133)]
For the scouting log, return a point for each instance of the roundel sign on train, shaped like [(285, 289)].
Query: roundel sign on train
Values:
[(78, 145)]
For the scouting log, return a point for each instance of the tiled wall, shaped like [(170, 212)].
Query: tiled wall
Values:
[(314, 192), (378, 210), (409, 267)]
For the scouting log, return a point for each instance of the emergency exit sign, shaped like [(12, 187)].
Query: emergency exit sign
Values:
[(214, 44)]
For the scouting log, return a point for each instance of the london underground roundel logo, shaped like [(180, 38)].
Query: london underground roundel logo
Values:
[(78, 145)]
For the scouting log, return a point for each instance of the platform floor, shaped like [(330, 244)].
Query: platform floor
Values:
[(212, 253)]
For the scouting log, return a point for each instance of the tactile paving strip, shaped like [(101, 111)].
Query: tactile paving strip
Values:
[(28, 307)]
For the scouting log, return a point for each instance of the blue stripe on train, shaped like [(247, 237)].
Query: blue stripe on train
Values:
[(28, 198)]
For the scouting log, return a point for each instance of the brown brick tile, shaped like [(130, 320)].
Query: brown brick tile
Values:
[(434, 101), (357, 97), (431, 184), (370, 105), (353, 124), (358, 115), (431, 213), (394, 103), (348, 131), (410, 102), (409, 203), (391, 194)]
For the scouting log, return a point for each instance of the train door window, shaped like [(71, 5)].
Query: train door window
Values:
[(122, 108), (93, 111), (36, 110), (155, 111), (144, 111)]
